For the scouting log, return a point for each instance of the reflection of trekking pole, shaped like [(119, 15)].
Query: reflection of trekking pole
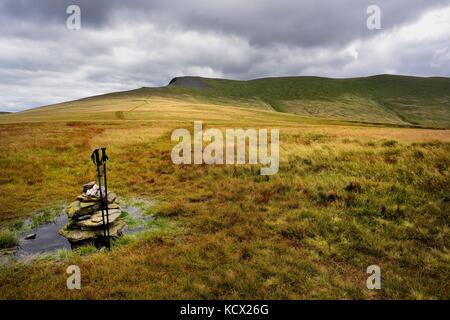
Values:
[(103, 160), (97, 161)]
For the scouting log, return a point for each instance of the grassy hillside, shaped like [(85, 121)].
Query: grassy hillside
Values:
[(383, 99), (346, 196), (377, 99)]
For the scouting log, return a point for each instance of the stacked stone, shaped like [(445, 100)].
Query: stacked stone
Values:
[(85, 216)]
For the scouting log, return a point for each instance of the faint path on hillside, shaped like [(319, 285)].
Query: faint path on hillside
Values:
[(121, 114)]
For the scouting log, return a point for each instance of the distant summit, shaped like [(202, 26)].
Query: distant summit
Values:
[(394, 100), (190, 82)]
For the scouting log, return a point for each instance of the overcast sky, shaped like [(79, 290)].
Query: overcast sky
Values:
[(128, 44)]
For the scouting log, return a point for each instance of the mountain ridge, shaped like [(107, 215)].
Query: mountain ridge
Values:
[(383, 99)]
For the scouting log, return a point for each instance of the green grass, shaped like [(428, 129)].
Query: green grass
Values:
[(346, 196), (378, 99), (381, 99), (44, 217), (8, 239), (86, 250), (387, 99)]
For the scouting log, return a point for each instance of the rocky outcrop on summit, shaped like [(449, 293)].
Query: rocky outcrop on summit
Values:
[(190, 82)]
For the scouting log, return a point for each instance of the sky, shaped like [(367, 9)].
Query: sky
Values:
[(124, 45)]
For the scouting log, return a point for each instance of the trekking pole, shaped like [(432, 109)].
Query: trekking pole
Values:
[(96, 159), (103, 160)]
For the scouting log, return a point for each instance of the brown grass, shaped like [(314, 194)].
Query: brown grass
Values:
[(344, 198)]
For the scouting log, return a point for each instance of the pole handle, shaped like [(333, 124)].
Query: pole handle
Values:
[(104, 156), (96, 157)]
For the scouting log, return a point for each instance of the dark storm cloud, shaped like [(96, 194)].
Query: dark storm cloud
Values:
[(126, 44), (304, 23), (300, 22)]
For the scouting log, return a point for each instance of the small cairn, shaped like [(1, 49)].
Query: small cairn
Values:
[(85, 216)]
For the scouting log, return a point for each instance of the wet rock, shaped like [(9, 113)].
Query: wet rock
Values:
[(113, 206), (84, 205), (77, 235), (111, 216), (88, 186), (96, 220), (78, 209), (73, 208), (85, 215), (111, 197), (30, 236), (92, 191), (102, 189), (85, 198)]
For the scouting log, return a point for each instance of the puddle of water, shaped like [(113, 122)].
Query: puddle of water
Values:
[(139, 219), (47, 239)]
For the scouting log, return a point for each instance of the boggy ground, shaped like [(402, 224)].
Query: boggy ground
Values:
[(345, 197)]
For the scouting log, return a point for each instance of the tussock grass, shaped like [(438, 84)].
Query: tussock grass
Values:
[(345, 197), (8, 239)]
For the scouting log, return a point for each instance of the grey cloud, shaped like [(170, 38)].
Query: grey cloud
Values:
[(262, 22), (126, 44)]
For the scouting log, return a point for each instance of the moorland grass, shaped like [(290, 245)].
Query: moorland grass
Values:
[(381, 99), (8, 239), (344, 198)]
